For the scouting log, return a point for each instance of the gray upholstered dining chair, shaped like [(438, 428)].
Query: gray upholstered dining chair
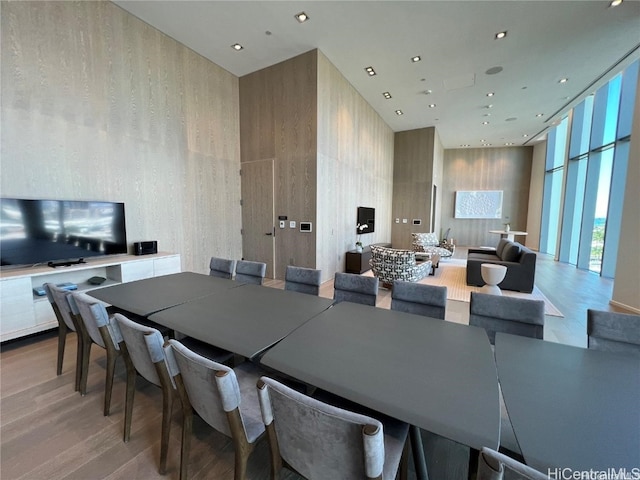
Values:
[(139, 347), (250, 272), (426, 300), (222, 268), (66, 322), (304, 280), (224, 398), (613, 331), (139, 361), (98, 329), (517, 316), (492, 465), (349, 287), (318, 440)]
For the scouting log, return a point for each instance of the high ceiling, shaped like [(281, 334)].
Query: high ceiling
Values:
[(586, 42)]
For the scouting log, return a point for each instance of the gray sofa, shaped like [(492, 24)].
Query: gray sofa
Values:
[(519, 260)]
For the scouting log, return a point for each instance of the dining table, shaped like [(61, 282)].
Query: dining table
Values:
[(435, 375), (246, 320), (150, 295), (572, 409)]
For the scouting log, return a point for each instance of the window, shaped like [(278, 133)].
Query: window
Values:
[(595, 177)]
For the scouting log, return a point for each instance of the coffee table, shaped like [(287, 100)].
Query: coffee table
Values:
[(492, 275), (424, 256)]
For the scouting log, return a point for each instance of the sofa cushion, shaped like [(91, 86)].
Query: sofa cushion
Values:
[(485, 257), (501, 244), (510, 253)]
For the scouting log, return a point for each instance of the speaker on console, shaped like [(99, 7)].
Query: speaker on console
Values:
[(145, 248)]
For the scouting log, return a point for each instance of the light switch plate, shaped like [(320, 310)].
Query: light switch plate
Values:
[(281, 223), (292, 224), (404, 220), (397, 220)]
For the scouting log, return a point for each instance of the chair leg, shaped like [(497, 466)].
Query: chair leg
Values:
[(131, 388), (84, 365), (108, 383), (62, 339), (242, 448), (79, 356), (167, 408), (187, 426)]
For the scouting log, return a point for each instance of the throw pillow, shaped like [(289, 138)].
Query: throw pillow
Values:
[(501, 244), (511, 253)]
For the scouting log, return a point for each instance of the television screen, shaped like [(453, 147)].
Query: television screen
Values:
[(42, 231), (366, 216)]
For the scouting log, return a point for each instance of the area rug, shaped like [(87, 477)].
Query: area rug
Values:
[(452, 273)]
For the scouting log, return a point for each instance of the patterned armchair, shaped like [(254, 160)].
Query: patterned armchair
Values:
[(389, 264), (429, 243)]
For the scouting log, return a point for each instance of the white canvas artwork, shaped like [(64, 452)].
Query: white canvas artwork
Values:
[(479, 204)]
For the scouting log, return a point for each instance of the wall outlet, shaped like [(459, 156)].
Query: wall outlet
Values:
[(292, 224), (281, 223), (404, 220), (397, 220)]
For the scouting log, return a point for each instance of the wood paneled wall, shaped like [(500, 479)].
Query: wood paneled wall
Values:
[(355, 168), (99, 105), (278, 121), (507, 169), (418, 164)]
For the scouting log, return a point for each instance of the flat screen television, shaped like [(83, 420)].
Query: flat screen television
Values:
[(56, 231), (366, 216)]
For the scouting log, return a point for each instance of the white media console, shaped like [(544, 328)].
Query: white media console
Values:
[(23, 313)]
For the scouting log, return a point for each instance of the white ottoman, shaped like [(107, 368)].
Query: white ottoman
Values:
[(492, 275)]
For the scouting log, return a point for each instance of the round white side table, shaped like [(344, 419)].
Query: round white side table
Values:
[(492, 275)]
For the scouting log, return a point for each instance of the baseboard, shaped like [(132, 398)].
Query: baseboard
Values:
[(626, 307)]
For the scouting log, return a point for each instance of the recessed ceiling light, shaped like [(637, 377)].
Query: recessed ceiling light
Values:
[(386, 95), (301, 17), (427, 92), (488, 106), (563, 80), (416, 59), (508, 143), (525, 135), (237, 47), (482, 141), (485, 123), (432, 105), (487, 115), (500, 35), (494, 70), (539, 114), (399, 112), (370, 71), (615, 3), (490, 94)]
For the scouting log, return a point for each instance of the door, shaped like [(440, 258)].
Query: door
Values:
[(258, 242)]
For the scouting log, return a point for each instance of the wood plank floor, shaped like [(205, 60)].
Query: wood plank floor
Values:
[(48, 431)]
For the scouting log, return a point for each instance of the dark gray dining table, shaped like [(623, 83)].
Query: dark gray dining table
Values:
[(150, 295), (246, 320), (432, 374), (571, 408)]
